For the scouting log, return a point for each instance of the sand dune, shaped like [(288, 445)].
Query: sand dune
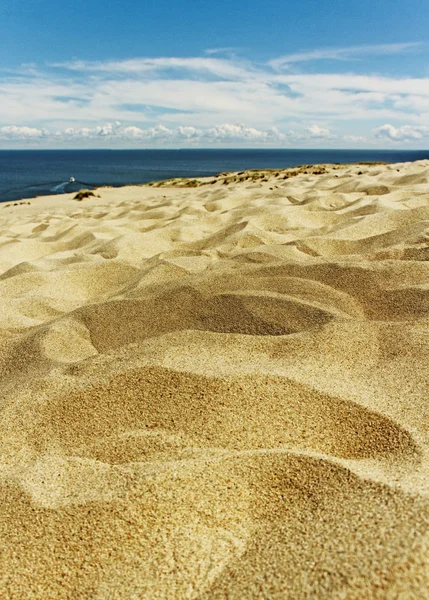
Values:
[(218, 388)]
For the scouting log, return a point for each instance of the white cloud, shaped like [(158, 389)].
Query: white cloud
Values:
[(401, 134), (347, 53), (169, 98), (259, 101), (13, 132), (240, 132), (355, 139), (217, 134), (106, 130), (219, 67), (109, 128), (189, 133), (159, 133), (224, 50), (316, 131)]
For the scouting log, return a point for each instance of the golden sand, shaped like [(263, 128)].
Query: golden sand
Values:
[(218, 389)]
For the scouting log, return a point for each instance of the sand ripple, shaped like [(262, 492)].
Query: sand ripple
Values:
[(218, 392)]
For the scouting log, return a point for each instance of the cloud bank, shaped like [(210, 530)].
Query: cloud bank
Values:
[(116, 131), (400, 134), (215, 100)]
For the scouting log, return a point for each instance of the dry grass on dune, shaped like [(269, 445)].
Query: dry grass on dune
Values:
[(218, 392)]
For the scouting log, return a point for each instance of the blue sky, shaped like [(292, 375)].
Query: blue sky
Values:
[(205, 74)]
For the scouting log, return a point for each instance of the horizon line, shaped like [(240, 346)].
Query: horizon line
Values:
[(217, 148)]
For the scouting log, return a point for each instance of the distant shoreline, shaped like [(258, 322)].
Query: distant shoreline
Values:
[(28, 174), (224, 178), (269, 179)]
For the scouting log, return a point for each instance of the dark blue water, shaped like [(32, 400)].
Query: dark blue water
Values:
[(30, 173)]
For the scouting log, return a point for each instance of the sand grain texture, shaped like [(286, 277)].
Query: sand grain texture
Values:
[(218, 391)]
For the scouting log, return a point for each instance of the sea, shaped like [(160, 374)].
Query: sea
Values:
[(32, 173)]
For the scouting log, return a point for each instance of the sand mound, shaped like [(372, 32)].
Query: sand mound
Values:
[(218, 392)]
